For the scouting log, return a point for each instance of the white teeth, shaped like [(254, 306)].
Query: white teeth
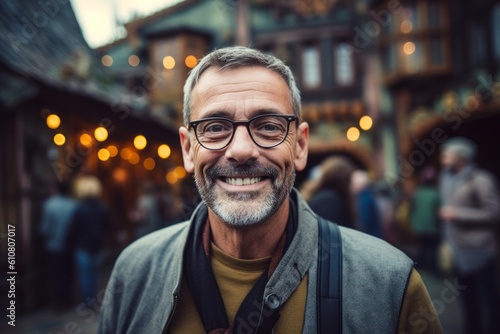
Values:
[(242, 182)]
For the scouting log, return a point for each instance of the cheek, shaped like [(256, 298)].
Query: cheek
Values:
[(204, 159)]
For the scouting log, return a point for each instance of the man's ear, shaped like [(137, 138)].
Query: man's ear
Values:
[(301, 148), (187, 152)]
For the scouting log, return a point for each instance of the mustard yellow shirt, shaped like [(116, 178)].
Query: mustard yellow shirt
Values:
[(235, 278)]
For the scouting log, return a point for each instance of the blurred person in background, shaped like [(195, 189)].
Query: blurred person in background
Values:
[(366, 208), (424, 219), (470, 213), (329, 195), (89, 225), (387, 210), (147, 216), (57, 213)]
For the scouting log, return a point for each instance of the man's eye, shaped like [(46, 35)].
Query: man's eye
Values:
[(270, 127), (214, 128)]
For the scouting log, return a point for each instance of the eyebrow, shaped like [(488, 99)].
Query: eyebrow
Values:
[(229, 115)]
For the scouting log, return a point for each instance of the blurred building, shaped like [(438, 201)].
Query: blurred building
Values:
[(63, 116), (315, 38), (440, 71)]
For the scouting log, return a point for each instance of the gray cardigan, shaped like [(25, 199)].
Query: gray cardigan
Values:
[(145, 284)]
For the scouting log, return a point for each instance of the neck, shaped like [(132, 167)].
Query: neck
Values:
[(250, 242)]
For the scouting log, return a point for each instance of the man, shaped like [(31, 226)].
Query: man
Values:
[(470, 213), (246, 261), (57, 214)]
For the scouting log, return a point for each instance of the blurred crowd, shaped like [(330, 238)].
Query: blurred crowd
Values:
[(451, 219)]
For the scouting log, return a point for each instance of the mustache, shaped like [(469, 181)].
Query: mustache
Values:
[(248, 169)]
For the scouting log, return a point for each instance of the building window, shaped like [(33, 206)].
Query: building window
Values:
[(437, 51), (434, 15), (344, 65), (311, 67), (477, 43), (496, 31), (419, 42)]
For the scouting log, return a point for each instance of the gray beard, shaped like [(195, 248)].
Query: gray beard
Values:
[(245, 209)]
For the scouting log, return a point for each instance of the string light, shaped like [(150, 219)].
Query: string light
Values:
[(140, 142), (353, 134), (164, 151), (53, 121)]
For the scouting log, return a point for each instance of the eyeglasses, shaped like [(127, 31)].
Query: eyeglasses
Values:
[(267, 131)]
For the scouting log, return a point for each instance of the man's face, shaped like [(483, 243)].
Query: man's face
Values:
[(449, 160), (243, 184)]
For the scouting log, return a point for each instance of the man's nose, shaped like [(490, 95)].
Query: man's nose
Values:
[(242, 148)]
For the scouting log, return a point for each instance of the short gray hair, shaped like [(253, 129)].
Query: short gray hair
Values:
[(236, 57), (460, 146)]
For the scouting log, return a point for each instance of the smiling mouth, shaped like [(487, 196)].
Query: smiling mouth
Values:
[(238, 181)]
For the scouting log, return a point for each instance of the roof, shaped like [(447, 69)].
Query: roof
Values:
[(41, 43)]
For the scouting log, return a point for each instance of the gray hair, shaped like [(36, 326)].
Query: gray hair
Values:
[(460, 146), (236, 57)]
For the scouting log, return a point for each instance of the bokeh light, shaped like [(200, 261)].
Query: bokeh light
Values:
[(86, 140), (125, 153), (406, 26), (113, 150), (164, 151), (140, 142), (134, 158), (149, 163), (409, 48), (191, 61), (180, 172), (169, 62), (59, 139), (100, 133), (171, 177), (53, 121), (120, 175), (366, 123), (107, 60), (353, 134), (103, 154), (133, 60)]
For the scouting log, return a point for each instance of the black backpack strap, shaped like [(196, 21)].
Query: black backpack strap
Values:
[(329, 278)]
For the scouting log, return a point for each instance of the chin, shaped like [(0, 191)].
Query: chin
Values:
[(244, 210)]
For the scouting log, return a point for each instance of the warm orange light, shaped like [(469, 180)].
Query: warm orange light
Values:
[(120, 175), (164, 151), (171, 177), (406, 26), (125, 153), (59, 139), (103, 154), (134, 158), (191, 61), (366, 123), (113, 150), (133, 60), (140, 142), (53, 121), (180, 172), (86, 140), (100, 133), (169, 62), (149, 163), (353, 134), (409, 48), (107, 60)]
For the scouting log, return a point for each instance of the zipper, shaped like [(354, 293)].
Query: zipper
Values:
[(169, 320)]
